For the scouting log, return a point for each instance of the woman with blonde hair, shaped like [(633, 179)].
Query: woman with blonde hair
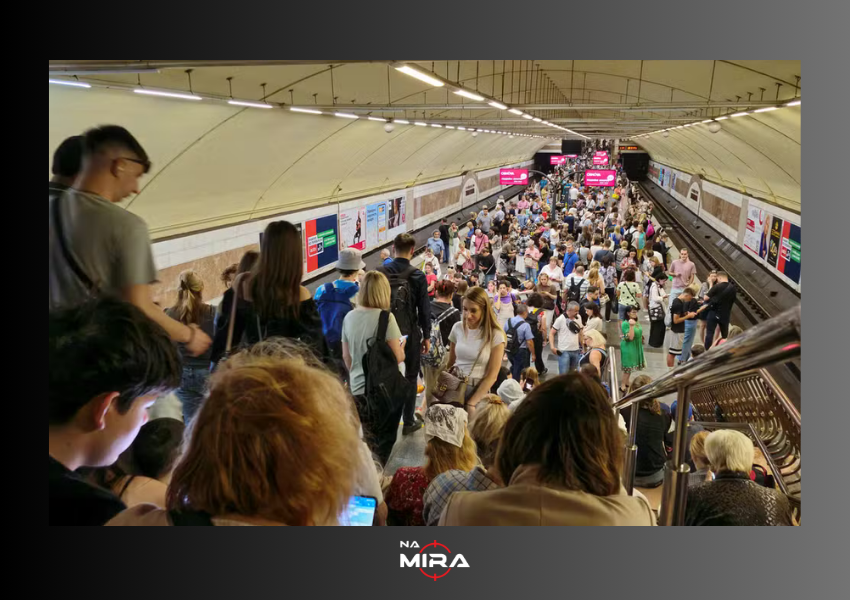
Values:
[(529, 379), (191, 310), (450, 448), (485, 429), (477, 346), (700, 458), (359, 331), (597, 354), (303, 473)]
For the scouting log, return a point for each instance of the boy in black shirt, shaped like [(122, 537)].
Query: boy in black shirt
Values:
[(682, 309), (720, 299), (108, 364)]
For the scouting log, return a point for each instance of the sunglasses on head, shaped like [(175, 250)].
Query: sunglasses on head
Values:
[(146, 164)]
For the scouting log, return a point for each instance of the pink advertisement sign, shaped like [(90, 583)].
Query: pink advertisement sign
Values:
[(572, 156), (600, 159), (595, 178), (558, 160), (513, 176)]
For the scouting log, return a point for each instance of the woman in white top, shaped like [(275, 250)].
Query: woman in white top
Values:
[(477, 346), (463, 257), (554, 272)]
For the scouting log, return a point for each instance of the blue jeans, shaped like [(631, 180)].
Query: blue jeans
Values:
[(519, 362), (531, 274), (488, 278), (193, 391), (568, 362), (690, 338)]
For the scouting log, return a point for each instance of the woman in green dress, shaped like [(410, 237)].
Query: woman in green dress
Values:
[(631, 347)]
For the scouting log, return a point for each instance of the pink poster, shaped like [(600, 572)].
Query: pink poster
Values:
[(600, 160), (593, 178), (513, 177), (558, 160)]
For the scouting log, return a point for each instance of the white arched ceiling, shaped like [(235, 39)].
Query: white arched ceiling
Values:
[(217, 165)]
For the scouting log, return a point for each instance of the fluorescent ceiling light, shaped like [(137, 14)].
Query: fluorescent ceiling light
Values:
[(346, 116), (401, 122), (740, 114), (537, 120), (436, 125), (529, 117), (707, 121), (469, 95), (78, 84), (419, 124), (167, 94), (689, 125), (249, 104), (377, 119), (498, 105), (515, 112), (462, 128), (421, 76), (306, 110), (767, 109), (794, 103), (721, 118), (450, 127)]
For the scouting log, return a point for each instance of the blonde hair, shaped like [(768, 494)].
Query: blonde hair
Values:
[(596, 338), (730, 450), (275, 440), (698, 449), (189, 298), (641, 381), (375, 291), (487, 426), (624, 245), (595, 279), (530, 374), (444, 457), (489, 323)]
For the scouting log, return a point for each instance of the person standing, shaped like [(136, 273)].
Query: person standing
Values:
[(444, 316), (335, 300), (436, 246), (721, 299), (454, 240), (684, 314), (631, 347), (445, 237), (520, 344), (67, 164), (484, 220), (609, 276), (684, 274), (98, 249), (190, 309), (412, 309), (568, 329)]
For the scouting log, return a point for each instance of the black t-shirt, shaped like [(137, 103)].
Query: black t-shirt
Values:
[(678, 309), (486, 264), (651, 433), (722, 299), (545, 255), (71, 502)]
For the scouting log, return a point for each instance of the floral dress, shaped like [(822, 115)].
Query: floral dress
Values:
[(405, 499)]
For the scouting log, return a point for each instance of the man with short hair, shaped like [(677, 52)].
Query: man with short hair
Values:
[(568, 329), (484, 220), (571, 259), (720, 299), (684, 272), (683, 310), (499, 217), (486, 264), (607, 245), (67, 164), (386, 257), (109, 363), (436, 245), (576, 285), (98, 249), (446, 239), (523, 344), (414, 320)]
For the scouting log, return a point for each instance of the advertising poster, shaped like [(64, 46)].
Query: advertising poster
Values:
[(600, 178), (322, 242), (372, 226), (600, 160), (557, 160), (397, 216), (754, 237), (513, 176), (774, 242), (382, 223), (352, 228), (790, 255)]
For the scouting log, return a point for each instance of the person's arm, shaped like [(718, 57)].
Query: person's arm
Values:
[(552, 346), (452, 357), (424, 311), (346, 355), (497, 353), (196, 341), (631, 334), (596, 361), (395, 345)]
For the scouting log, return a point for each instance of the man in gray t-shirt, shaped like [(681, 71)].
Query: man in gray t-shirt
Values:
[(95, 247), (485, 221)]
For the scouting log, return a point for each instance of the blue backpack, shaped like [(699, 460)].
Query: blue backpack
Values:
[(333, 306)]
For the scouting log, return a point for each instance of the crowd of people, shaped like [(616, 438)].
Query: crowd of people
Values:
[(292, 400)]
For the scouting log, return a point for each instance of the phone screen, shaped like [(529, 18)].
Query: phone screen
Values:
[(360, 512)]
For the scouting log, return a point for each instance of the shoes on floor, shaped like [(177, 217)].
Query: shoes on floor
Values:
[(413, 429)]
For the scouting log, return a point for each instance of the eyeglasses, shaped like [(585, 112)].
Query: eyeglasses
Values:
[(145, 163)]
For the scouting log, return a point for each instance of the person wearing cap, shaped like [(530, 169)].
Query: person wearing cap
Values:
[(333, 298), (450, 448)]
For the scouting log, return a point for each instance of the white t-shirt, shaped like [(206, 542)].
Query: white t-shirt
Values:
[(468, 346), (573, 193), (567, 340)]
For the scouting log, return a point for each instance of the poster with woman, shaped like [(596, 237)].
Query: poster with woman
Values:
[(396, 210), (352, 227)]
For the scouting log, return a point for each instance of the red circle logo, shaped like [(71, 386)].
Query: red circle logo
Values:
[(436, 546)]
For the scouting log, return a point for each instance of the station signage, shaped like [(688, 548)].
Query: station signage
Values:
[(513, 176), (597, 178), (558, 160)]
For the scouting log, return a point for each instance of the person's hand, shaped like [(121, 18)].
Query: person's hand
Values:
[(199, 343), (632, 322), (426, 346), (554, 350), (692, 315)]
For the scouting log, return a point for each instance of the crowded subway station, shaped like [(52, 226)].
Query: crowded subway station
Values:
[(424, 293)]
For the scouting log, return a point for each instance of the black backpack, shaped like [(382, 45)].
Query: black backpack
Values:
[(533, 321), (513, 338), (386, 387), (403, 304), (574, 293)]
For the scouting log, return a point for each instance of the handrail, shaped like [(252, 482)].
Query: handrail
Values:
[(630, 455), (773, 341)]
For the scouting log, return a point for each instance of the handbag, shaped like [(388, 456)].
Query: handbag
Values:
[(529, 262), (452, 385), (657, 313)]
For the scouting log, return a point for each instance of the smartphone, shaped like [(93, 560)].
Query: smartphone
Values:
[(360, 512), (403, 339)]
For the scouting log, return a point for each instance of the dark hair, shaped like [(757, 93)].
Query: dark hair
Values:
[(629, 275), (593, 308), (157, 448), (535, 300), (445, 289), (606, 261), (567, 429), (697, 350), (101, 139), (248, 262), (68, 159), (503, 375), (104, 347), (277, 277), (592, 372), (593, 290), (404, 243)]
